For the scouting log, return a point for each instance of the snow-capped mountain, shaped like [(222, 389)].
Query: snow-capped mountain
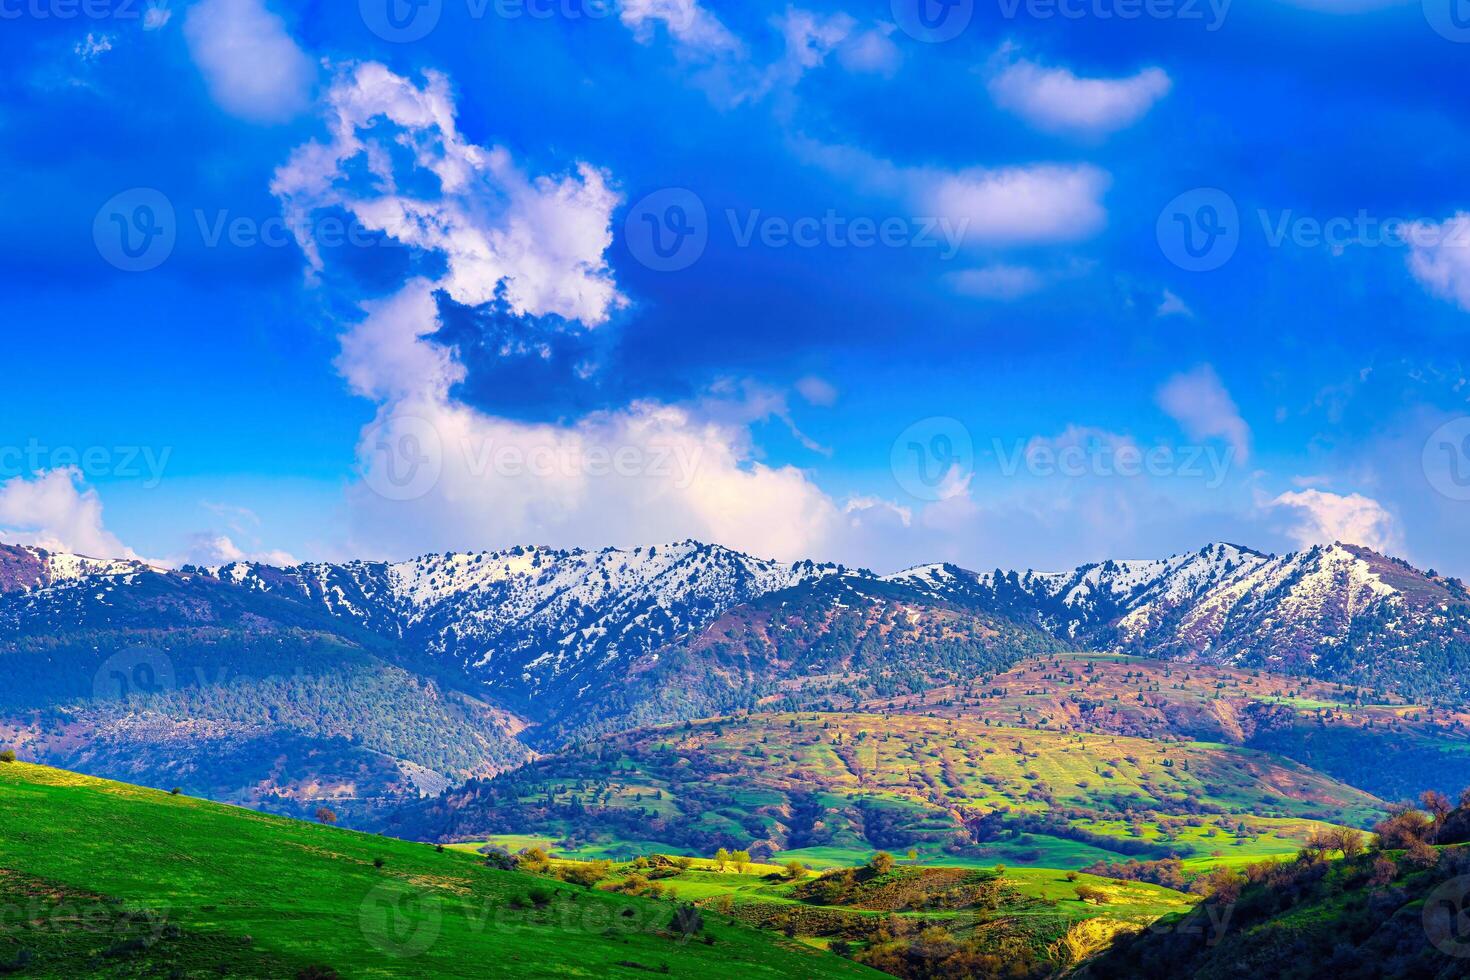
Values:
[(1333, 610), (538, 629), (24, 568), (537, 625)]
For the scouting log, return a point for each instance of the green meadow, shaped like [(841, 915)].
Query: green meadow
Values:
[(102, 878)]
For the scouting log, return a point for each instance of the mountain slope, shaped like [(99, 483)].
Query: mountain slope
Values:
[(177, 678), (537, 625), (1341, 611), (112, 880)]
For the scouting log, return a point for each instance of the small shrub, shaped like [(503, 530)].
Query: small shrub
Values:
[(7, 756), (500, 860)]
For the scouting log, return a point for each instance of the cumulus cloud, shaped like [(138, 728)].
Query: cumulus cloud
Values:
[(871, 51), (688, 23), (437, 473), (810, 38), (1057, 100), (211, 549), (1320, 517), (541, 240), (991, 206), (1198, 401), (253, 67), (53, 510), (1439, 257)]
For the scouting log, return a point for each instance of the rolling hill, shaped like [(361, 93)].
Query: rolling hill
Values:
[(1371, 739), (839, 785), (114, 880)]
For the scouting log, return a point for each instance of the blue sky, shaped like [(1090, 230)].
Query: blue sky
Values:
[(1048, 283)]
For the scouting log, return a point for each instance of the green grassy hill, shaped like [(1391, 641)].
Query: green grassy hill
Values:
[(102, 878), (1374, 916), (830, 788), (1372, 739)]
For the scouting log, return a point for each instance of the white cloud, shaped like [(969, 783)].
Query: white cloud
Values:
[(871, 51), (645, 472), (686, 21), (1055, 99), (52, 510), (93, 46), (1320, 517), (210, 548), (1439, 257), (541, 239), (817, 391), (1198, 401), (1005, 205), (253, 68), (1172, 305), (1002, 282)]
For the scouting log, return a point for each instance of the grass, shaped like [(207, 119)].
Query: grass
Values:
[(110, 879), (743, 781)]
